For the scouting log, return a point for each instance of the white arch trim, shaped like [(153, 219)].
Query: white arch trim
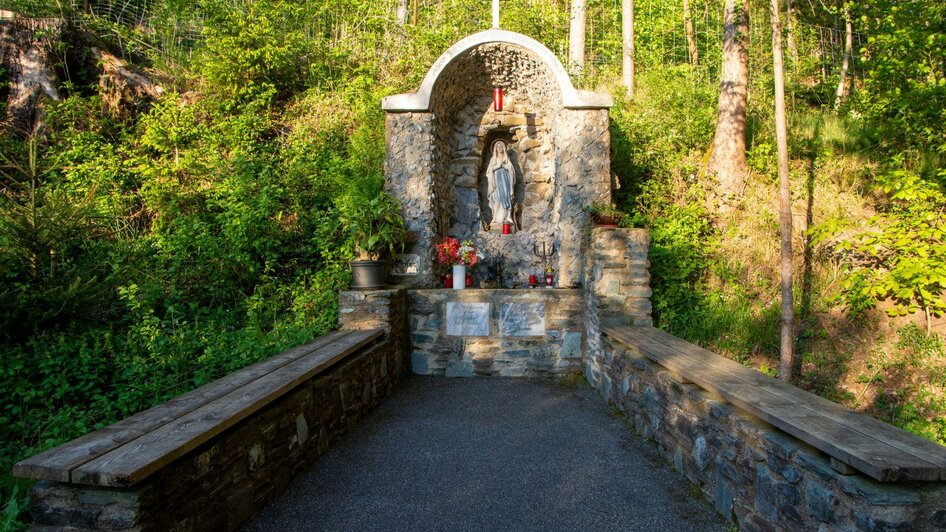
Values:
[(571, 98)]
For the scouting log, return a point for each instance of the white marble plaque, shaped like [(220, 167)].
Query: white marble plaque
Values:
[(523, 319), (467, 319), (406, 264)]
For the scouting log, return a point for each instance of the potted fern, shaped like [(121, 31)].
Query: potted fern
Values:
[(377, 230)]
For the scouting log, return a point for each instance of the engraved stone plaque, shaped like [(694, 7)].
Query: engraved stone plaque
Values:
[(523, 319), (467, 319), (406, 264)]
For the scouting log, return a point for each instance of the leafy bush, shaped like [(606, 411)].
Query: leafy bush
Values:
[(901, 254)]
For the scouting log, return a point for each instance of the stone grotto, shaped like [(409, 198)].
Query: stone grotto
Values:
[(554, 148)]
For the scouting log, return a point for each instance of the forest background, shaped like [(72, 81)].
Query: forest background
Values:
[(148, 246)]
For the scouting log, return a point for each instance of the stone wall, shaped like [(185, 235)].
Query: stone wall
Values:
[(500, 351), (378, 309), (753, 472), (222, 483), (409, 176), (583, 168), (617, 284)]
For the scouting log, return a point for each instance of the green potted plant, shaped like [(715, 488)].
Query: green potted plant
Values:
[(377, 229), (606, 215)]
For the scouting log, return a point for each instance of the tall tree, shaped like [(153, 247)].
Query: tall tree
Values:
[(846, 62), (401, 12), (790, 33), (691, 35), (576, 37), (786, 353), (627, 31), (728, 157)]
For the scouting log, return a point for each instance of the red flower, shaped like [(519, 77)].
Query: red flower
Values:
[(448, 251), (451, 252)]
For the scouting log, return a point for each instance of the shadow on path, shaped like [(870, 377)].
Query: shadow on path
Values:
[(488, 454)]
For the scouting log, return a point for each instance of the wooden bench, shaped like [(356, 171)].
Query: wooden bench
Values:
[(127, 452), (877, 449)]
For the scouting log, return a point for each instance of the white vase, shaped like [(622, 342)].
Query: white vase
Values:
[(459, 276)]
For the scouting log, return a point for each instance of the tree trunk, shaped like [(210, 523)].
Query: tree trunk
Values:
[(124, 88), (846, 63), (24, 54), (627, 30), (728, 157), (401, 12), (691, 35), (790, 34), (786, 355), (576, 37)]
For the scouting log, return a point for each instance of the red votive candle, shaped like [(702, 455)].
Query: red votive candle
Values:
[(448, 281), (497, 99), (533, 280), (507, 229), (469, 280)]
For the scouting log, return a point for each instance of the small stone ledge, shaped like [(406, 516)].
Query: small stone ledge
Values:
[(752, 472)]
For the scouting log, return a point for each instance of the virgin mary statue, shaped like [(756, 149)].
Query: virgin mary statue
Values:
[(502, 183)]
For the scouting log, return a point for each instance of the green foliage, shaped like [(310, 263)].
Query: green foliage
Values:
[(11, 511), (46, 235), (901, 254), (374, 222), (654, 140), (257, 51), (142, 257), (904, 93)]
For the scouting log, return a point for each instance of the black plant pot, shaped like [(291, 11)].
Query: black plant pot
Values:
[(367, 274)]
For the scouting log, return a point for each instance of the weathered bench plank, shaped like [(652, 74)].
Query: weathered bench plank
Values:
[(875, 448), (919, 447), (141, 457), (58, 463)]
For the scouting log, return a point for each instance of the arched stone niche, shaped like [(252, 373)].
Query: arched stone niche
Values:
[(438, 141)]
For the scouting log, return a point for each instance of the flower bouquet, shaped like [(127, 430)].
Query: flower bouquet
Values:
[(459, 255)]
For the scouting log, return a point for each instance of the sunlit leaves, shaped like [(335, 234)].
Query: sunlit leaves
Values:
[(901, 256)]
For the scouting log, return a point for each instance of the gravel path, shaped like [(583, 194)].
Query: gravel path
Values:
[(490, 454)]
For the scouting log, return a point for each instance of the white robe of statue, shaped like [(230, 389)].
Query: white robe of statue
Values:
[(502, 184)]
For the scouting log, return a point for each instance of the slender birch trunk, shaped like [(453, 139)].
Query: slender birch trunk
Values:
[(627, 27), (691, 35), (790, 34), (576, 37), (401, 12), (846, 62), (786, 354)]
